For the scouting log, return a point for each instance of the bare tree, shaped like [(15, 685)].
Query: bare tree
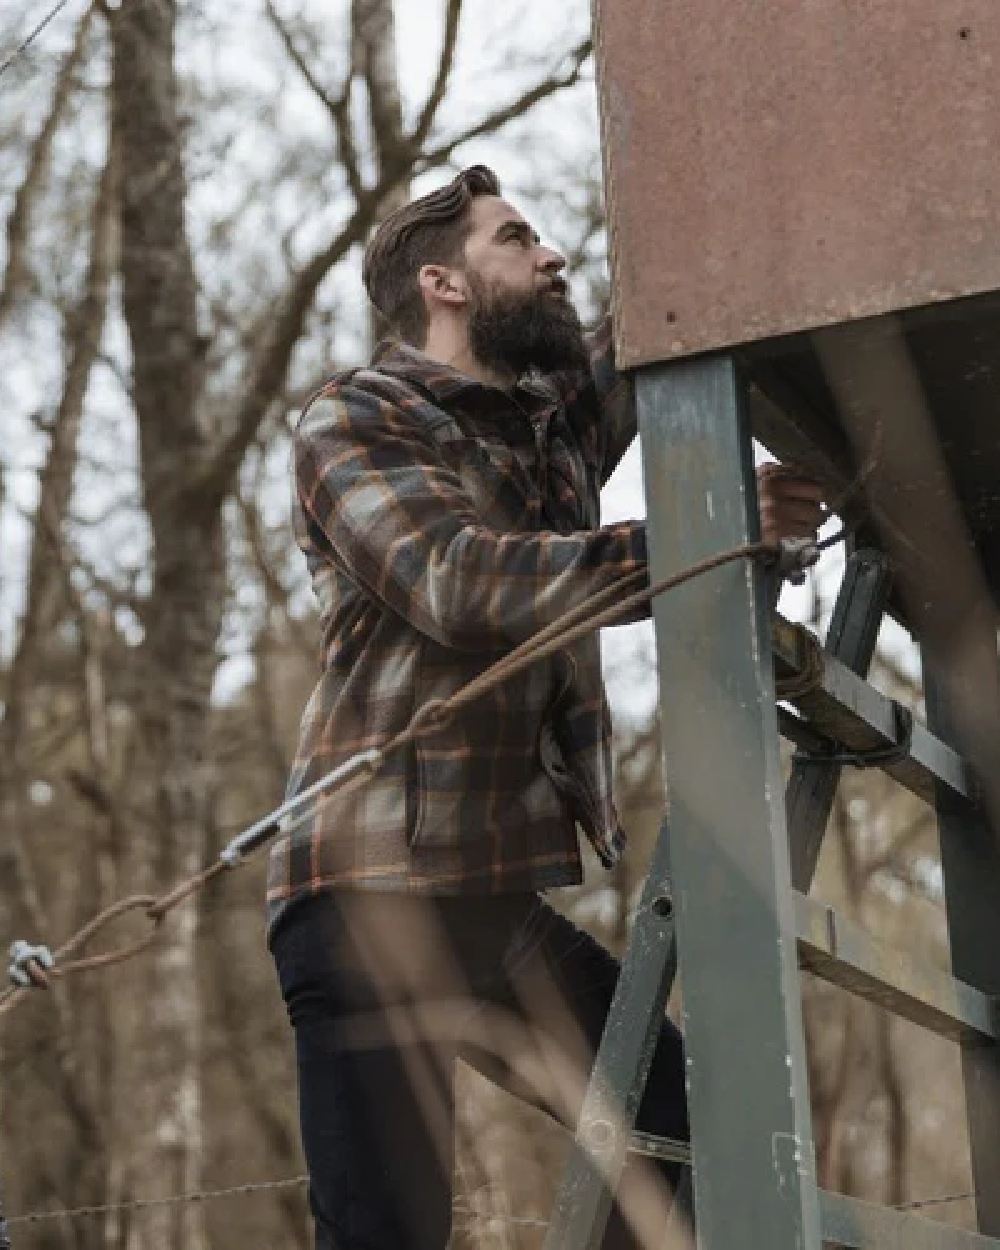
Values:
[(145, 771)]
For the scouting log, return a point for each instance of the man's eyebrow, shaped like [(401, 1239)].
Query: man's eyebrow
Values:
[(517, 227)]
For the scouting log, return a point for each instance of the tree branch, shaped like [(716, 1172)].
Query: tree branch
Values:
[(446, 62), (84, 327), (270, 369), (16, 270), (509, 112), (338, 107), (373, 56), (275, 591)]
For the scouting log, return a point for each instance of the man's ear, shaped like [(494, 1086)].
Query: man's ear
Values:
[(440, 284)]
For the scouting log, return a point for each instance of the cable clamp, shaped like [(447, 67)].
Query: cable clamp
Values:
[(28, 964), (795, 555)]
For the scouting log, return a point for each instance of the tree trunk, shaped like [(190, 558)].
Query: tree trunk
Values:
[(162, 1130), (82, 1173), (373, 54)]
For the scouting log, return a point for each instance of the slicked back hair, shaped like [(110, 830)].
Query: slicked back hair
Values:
[(430, 230)]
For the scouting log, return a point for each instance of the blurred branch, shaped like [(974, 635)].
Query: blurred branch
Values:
[(510, 112), (275, 591), (16, 269), (897, 1124), (83, 331), (446, 61), (257, 1093), (269, 369), (924, 820), (338, 107), (373, 58)]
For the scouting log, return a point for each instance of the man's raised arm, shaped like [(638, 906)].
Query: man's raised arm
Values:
[(396, 518)]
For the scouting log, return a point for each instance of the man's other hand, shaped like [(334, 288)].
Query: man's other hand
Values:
[(790, 504)]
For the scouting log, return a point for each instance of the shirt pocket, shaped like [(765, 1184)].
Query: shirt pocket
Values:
[(480, 774), (450, 762)]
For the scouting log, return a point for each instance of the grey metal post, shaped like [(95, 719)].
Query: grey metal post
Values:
[(851, 637), (754, 1175), (621, 1067), (961, 676), (5, 1243)]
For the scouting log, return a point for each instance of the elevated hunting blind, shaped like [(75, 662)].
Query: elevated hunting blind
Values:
[(804, 215)]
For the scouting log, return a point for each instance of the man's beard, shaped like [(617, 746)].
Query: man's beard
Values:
[(516, 332)]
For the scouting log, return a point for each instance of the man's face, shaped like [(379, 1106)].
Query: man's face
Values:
[(520, 317)]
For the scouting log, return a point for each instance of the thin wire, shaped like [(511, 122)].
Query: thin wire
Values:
[(932, 1202), (474, 1213), (140, 1204), (19, 51)]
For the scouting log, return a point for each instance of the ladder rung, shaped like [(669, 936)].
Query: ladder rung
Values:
[(844, 708), (858, 1225), (668, 1148), (842, 953)]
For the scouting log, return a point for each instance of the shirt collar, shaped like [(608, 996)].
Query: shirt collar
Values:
[(444, 382)]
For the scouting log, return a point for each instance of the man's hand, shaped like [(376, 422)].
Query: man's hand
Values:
[(790, 504)]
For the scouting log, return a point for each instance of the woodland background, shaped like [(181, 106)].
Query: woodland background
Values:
[(184, 191)]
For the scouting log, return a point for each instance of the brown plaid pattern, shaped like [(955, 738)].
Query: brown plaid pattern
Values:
[(443, 522)]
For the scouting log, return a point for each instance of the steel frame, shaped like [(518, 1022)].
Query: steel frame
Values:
[(740, 927)]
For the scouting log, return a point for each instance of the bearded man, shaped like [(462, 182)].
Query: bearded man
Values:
[(448, 508)]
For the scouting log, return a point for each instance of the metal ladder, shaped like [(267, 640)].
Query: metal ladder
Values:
[(727, 887)]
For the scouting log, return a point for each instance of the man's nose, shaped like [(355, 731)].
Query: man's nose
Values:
[(551, 261)]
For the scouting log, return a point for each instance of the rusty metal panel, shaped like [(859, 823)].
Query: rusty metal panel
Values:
[(777, 165)]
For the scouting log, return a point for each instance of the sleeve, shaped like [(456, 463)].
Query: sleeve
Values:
[(600, 406), (373, 483), (615, 398)]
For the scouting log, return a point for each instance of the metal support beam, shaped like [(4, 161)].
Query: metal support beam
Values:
[(962, 688), (851, 639), (860, 1226), (5, 1243), (751, 1134), (620, 1070), (843, 954)]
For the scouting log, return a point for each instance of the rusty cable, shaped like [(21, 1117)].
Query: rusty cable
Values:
[(606, 607)]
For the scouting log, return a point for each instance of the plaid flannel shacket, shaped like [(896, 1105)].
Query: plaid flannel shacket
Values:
[(444, 522)]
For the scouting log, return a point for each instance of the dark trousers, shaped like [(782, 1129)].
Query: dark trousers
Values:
[(385, 991)]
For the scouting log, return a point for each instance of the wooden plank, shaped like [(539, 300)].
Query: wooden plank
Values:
[(844, 708)]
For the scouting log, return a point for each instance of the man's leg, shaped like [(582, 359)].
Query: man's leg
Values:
[(375, 1093), (562, 981)]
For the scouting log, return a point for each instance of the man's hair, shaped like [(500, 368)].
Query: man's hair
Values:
[(427, 231)]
